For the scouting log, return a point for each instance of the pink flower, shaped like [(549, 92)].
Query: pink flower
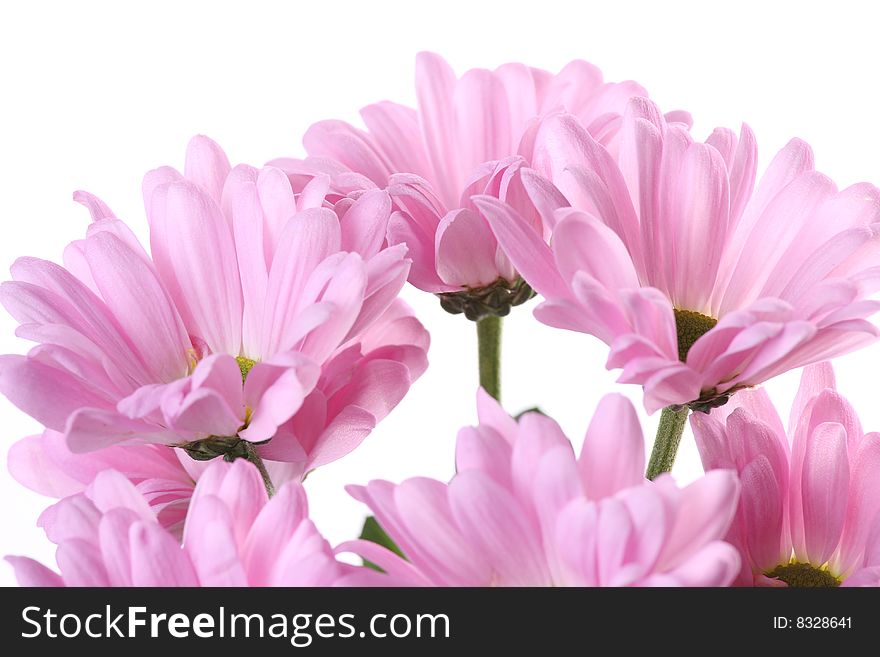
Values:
[(523, 511), (471, 135), (809, 513), (700, 283), (44, 463), (234, 536), (267, 313)]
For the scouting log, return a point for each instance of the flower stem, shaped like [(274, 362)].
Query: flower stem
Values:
[(489, 346), (253, 457), (672, 421)]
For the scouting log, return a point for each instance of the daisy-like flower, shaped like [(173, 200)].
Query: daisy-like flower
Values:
[(266, 315), (523, 511), (469, 135), (809, 513), (234, 536), (700, 282)]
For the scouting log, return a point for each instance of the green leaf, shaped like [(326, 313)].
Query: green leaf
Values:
[(374, 533)]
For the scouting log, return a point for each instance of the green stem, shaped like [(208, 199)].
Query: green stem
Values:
[(489, 346), (253, 457), (669, 433)]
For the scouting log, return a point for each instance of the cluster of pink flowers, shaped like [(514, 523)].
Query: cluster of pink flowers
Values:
[(187, 389)]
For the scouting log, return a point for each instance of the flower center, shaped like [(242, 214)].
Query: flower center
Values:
[(229, 447), (690, 327), (494, 299), (245, 365), (804, 575)]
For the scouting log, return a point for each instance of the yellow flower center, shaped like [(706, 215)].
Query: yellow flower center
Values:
[(690, 327), (244, 364), (804, 575)]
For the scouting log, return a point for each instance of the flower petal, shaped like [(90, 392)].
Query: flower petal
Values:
[(613, 455)]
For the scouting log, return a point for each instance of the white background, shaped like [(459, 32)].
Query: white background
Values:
[(93, 94)]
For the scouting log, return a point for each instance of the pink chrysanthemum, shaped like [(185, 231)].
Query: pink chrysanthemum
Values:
[(523, 511), (234, 536), (700, 282), (266, 315), (809, 513), (471, 135)]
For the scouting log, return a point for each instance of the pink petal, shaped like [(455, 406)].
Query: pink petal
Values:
[(31, 465), (343, 294), (495, 525), (756, 402), (399, 571), (700, 205), (342, 435), (241, 198), (576, 539), (339, 141), (211, 543), (711, 437), (48, 294), (141, 305), (525, 248), (275, 393), (583, 243), (763, 510), (556, 483), (47, 394), (435, 87), (113, 538), (465, 250), (112, 490), (90, 429), (386, 273), (310, 237), (205, 411), (153, 181), (420, 248), (538, 436), (239, 487), (194, 252), (863, 508), (482, 118), (418, 518), (96, 207), (32, 573), (396, 131), (426, 507), (157, 559), (825, 486), (814, 379), (715, 564), (705, 511), (519, 84), (278, 205), (615, 529), (482, 449), (491, 414), (206, 165), (271, 531), (81, 564), (544, 195), (864, 577), (613, 455), (365, 223), (376, 385)]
